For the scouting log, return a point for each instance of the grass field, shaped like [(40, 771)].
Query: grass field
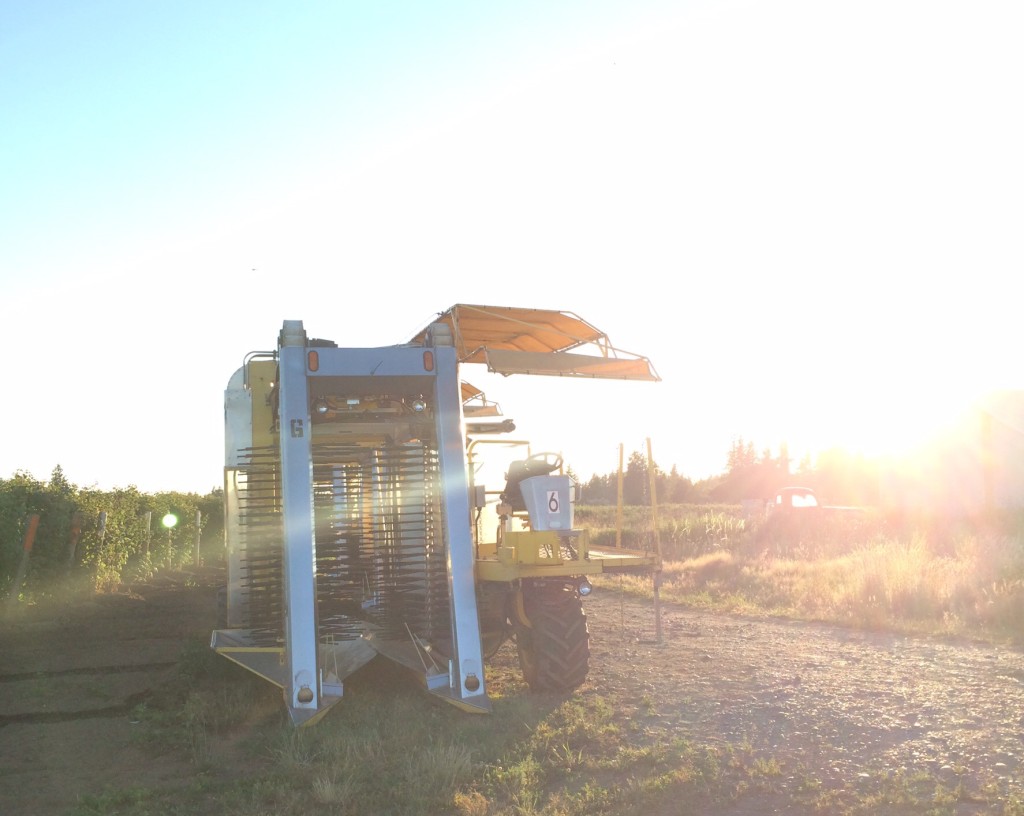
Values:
[(386, 750)]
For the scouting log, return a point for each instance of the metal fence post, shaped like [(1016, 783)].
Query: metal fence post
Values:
[(199, 535), (26, 552), (73, 538)]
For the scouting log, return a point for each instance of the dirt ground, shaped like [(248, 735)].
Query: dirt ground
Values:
[(834, 708), (71, 675)]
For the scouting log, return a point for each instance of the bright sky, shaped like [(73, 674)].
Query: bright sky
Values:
[(807, 214)]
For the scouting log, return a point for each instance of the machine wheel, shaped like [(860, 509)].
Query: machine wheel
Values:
[(554, 650)]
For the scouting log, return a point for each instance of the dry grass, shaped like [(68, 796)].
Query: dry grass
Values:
[(861, 570)]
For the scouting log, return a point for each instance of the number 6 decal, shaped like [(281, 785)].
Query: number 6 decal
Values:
[(553, 503)]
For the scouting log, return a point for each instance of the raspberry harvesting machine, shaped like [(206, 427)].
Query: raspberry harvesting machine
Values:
[(358, 522)]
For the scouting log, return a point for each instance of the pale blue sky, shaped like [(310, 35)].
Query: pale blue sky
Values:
[(808, 214)]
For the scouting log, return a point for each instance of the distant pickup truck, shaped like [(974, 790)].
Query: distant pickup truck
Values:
[(802, 500)]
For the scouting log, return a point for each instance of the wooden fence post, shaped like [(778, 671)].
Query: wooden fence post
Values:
[(657, 542), (618, 504)]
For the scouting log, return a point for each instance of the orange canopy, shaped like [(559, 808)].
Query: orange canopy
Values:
[(511, 340)]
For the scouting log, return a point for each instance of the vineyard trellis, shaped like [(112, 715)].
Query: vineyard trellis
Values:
[(96, 539)]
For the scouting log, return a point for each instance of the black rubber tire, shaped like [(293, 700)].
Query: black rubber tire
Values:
[(554, 651)]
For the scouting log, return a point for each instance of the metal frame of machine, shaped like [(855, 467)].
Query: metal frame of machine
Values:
[(349, 507)]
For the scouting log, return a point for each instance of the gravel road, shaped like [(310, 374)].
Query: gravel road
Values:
[(840, 710)]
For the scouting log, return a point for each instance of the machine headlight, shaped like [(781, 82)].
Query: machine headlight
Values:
[(585, 587)]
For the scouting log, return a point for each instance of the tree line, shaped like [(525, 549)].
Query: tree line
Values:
[(837, 476)]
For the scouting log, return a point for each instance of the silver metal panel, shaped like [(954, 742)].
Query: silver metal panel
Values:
[(467, 656), (237, 420), (234, 546), (237, 440), (387, 361), (299, 543)]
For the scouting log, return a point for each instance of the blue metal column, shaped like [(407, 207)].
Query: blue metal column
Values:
[(302, 691), (467, 670)]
